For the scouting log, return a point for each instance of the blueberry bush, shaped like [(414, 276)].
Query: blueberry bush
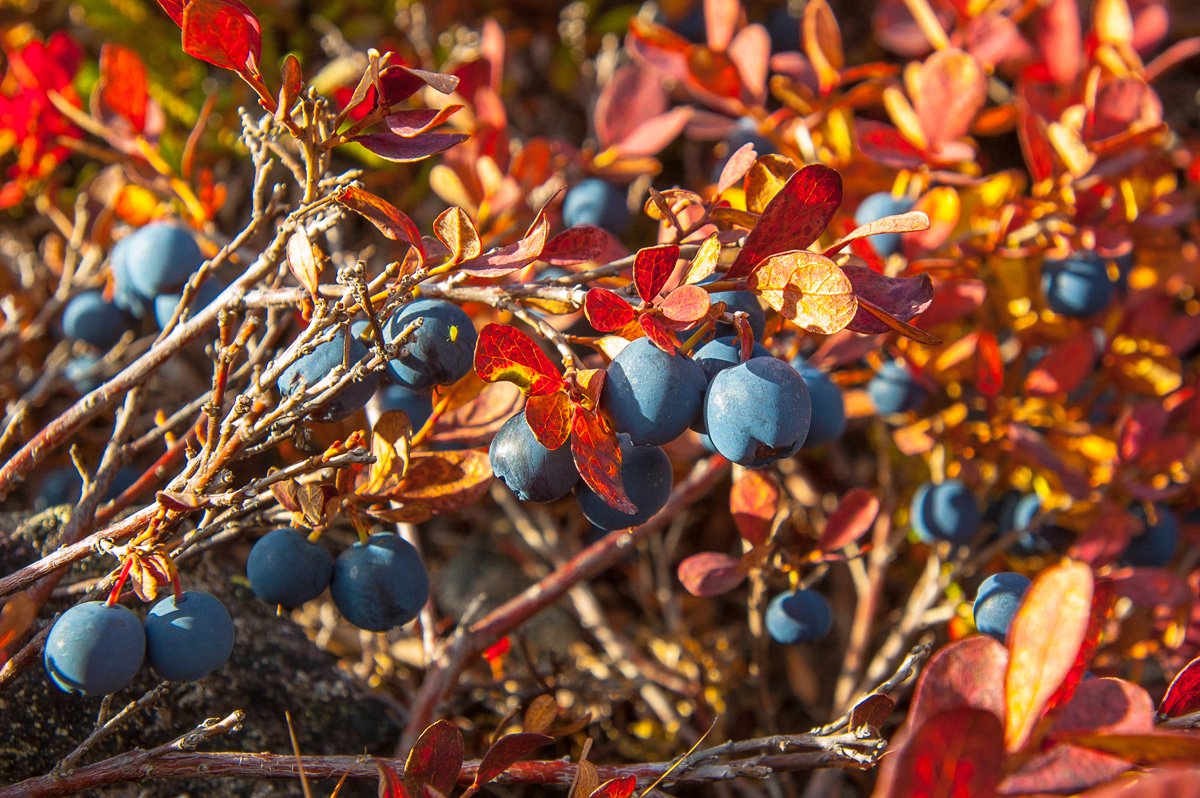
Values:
[(602, 398)]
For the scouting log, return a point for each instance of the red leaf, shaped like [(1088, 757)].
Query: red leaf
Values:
[(1059, 39), (506, 353), (969, 673), (1183, 696), (884, 144), (652, 267), (631, 95), (122, 87), (398, 83), (850, 521), (606, 311), (1106, 537), (793, 219), (1064, 367), (550, 417), (949, 89), (416, 121), (736, 167), (505, 751), (620, 787), (1151, 587), (390, 783), (388, 219), (505, 260), (903, 298), (598, 458), (686, 304), (989, 374), (753, 501), (224, 33), (711, 573), (1141, 426), (436, 758), (1047, 634), (955, 754), (174, 9), (652, 135), (406, 150), (576, 245), (658, 333), (1181, 783)]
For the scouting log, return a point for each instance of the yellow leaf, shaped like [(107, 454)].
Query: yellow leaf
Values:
[(809, 289)]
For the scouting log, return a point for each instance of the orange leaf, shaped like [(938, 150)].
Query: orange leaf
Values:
[(122, 86), (658, 333), (794, 219), (445, 481), (506, 353), (390, 440), (454, 229), (765, 179), (753, 501), (687, 304), (598, 458), (950, 88), (850, 521), (550, 417), (823, 43), (1044, 642), (1151, 748), (389, 220), (1064, 367), (704, 262), (809, 289), (989, 374)]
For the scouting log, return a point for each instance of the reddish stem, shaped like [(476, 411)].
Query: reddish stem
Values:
[(114, 595)]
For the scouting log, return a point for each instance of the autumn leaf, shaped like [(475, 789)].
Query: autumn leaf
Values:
[(550, 417), (851, 520), (606, 311), (390, 440), (808, 289), (224, 33), (578, 244), (902, 298), (435, 758), (687, 304), (508, 259), (794, 219), (710, 573), (651, 268), (598, 458), (506, 353), (388, 219), (445, 481), (958, 753), (122, 87), (753, 501), (504, 752), (454, 229)]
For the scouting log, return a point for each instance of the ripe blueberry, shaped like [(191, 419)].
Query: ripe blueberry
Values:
[(997, 601), (800, 617), (758, 412), (875, 207), (716, 356), (439, 352), (946, 511), (646, 477), (286, 568), (188, 638), (380, 584), (1156, 544), (828, 406), (165, 304), (530, 470), (651, 395), (596, 202), (94, 649), (894, 389), (89, 318), (324, 358), (156, 259), (1077, 286)]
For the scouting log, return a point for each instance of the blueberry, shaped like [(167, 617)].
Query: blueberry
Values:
[(758, 412), (1019, 512), (530, 470), (946, 511), (784, 30), (597, 202), (997, 601), (286, 568), (800, 617), (1156, 545), (165, 304), (188, 638), (417, 405), (1078, 286), (875, 207), (716, 356), (651, 395), (94, 649), (746, 302), (646, 477), (894, 389), (380, 584), (318, 363), (440, 352), (156, 259), (89, 318), (828, 407)]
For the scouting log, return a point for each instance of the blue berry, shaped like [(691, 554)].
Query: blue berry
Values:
[(1078, 286), (89, 318), (946, 511), (440, 352), (1019, 512), (1156, 545), (758, 412), (646, 477), (165, 304), (875, 207), (317, 364), (286, 568), (156, 259), (380, 584), (800, 617), (530, 470), (828, 407), (94, 649), (417, 405), (743, 301), (651, 395), (190, 638), (716, 356), (997, 601), (894, 389), (597, 202)]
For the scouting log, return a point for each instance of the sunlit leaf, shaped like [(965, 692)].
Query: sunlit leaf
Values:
[(504, 752), (808, 289), (794, 219), (598, 458), (606, 311), (652, 267), (505, 353), (753, 501), (958, 753), (710, 573), (436, 758), (551, 417)]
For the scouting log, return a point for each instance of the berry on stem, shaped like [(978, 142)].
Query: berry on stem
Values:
[(803, 616), (530, 470), (94, 649), (380, 584), (188, 636), (288, 569), (646, 477)]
